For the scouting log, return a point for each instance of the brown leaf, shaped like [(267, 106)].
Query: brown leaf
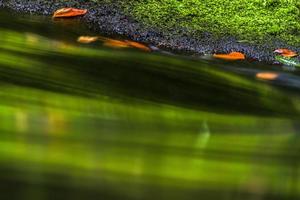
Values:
[(231, 56), (115, 43), (69, 12), (87, 39), (286, 52), (123, 44), (138, 45)]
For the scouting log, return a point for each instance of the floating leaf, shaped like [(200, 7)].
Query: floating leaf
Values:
[(288, 61), (138, 45), (87, 39), (267, 76), (286, 52), (69, 12), (230, 56)]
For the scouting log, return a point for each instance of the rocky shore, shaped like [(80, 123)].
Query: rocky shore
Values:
[(110, 19)]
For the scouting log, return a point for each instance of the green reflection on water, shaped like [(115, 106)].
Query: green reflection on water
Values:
[(80, 122)]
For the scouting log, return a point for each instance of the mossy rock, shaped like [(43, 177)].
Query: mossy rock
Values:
[(254, 20)]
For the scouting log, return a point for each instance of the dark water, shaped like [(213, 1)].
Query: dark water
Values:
[(89, 122)]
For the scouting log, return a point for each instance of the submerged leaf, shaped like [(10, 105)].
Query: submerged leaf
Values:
[(231, 56), (122, 43), (115, 43), (138, 45), (87, 39), (267, 76), (286, 52), (288, 61), (69, 12)]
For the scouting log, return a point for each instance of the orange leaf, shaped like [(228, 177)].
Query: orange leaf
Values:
[(87, 39), (69, 12), (267, 76), (138, 45), (115, 43), (286, 52), (231, 56)]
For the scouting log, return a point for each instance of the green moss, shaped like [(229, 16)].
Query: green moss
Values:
[(254, 20)]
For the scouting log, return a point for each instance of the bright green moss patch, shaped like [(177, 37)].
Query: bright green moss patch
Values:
[(254, 20)]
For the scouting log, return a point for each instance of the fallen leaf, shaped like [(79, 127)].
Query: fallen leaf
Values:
[(103, 38), (115, 43), (286, 52), (231, 56), (138, 45), (87, 39), (123, 44), (267, 76), (69, 12)]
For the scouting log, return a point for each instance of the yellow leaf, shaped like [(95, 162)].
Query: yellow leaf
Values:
[(87, 39)]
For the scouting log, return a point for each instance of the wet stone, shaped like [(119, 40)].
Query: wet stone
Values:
[(109, 19)]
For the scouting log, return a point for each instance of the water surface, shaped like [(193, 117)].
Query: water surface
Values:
[(89, 122)]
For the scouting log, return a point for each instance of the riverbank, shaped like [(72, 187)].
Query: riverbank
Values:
[(109, 18)]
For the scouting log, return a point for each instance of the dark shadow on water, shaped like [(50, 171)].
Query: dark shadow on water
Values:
[(141, 79)]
